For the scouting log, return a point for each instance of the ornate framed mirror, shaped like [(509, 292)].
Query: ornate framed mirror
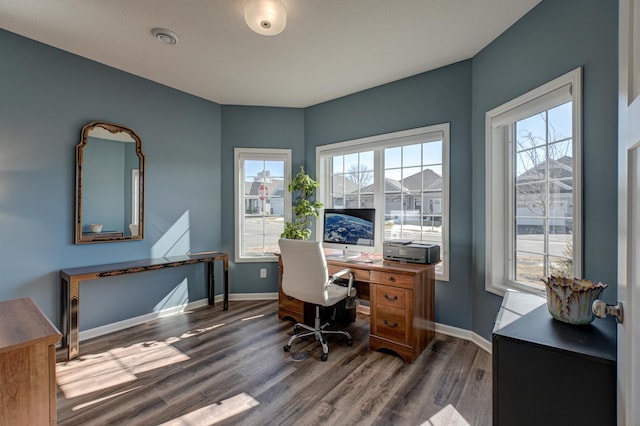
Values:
[(109, 184)]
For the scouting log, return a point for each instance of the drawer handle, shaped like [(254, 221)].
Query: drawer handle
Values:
[(388, 324), (393, 299), (390, 278)]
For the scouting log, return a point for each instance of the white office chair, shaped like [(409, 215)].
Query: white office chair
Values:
[(305, 276)]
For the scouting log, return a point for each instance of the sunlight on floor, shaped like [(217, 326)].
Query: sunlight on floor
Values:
[(106, 398), (115, 367), (195, 332), (251, 318), (214, 413), (448, 416)]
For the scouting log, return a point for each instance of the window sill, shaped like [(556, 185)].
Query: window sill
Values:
[(500, 290)]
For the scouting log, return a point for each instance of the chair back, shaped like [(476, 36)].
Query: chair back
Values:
[(304, 270)]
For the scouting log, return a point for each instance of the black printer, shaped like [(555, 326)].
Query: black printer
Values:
[(410, 252)]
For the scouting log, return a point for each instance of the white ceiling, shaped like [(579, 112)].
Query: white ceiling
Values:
[(329, 49)]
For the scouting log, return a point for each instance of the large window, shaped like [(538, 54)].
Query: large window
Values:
[(262, 201), (533, 187), (403, 175)]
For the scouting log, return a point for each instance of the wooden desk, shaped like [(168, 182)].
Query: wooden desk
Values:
[(71, 279), (402, 299), (27, 364)]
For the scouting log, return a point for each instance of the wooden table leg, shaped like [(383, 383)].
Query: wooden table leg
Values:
[(210, 283), (73, 335), (225, 305), (64, 315)]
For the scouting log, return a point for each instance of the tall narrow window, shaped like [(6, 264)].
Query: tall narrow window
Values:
[(533, 187), (542, 185), (403, 175), (262, 201)]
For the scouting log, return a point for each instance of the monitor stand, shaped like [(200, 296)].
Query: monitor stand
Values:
[(350, 254)]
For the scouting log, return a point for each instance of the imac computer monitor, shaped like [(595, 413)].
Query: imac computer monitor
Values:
[(351, 230)]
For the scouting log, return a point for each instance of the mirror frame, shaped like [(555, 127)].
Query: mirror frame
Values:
[(111, 128)]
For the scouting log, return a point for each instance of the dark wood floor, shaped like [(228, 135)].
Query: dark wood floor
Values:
[(209, 367)]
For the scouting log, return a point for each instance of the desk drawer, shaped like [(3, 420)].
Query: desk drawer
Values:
[(399, 280), (393, 297), (391, 324), (358, 274)]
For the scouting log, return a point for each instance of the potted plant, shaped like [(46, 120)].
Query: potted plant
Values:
[(303, 209)]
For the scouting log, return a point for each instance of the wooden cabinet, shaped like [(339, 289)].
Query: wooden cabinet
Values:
[(402, 304), (392, 313), (402, 311), (546, 372), (27, 365)]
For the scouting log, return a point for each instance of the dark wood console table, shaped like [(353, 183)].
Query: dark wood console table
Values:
[(71, 279)]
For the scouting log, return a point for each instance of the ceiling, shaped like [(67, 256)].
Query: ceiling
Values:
[(329, 48)]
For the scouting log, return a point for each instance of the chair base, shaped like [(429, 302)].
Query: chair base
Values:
[(318, 332)]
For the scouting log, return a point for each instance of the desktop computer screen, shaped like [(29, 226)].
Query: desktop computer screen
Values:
[(349, 229)]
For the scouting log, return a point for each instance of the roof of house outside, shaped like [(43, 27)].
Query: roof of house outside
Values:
[(558, 169), (343, 185), (426, 180)]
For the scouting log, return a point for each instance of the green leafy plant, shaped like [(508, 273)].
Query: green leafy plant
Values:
[(303, 209)]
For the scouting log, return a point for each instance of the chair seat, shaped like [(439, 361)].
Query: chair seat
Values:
[(335, 293)]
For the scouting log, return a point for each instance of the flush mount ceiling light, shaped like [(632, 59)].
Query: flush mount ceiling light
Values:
[(165, 36), (266, 17)]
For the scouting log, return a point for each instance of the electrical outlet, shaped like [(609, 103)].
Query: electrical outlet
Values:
[(263, 272)]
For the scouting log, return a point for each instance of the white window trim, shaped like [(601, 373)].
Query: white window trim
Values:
[(497, 186), (238, 186), (135, 191), (417, 135)]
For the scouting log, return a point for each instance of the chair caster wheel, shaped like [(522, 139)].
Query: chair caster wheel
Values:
[(350, 342), (286, 348), (324, 357)]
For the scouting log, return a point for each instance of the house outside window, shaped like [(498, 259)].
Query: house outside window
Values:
[(533, 187), (403, 175), (262, 202)]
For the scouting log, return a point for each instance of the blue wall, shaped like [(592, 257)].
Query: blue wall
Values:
[(439, 96), (255, 127), (554, 38), (46, 96)]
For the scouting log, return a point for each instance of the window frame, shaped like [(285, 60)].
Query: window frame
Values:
[(259, 154), (499, 172), (378, 143)]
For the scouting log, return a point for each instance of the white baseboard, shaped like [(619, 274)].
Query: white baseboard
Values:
[(251, 296), (130, 322), (466, 335), (121, 325)]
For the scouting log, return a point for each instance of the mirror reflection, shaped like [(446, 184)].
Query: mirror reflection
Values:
[(109, 184)]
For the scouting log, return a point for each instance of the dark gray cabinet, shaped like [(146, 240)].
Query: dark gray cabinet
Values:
[(546, 372)]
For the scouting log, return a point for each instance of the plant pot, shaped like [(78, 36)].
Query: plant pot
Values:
[(569, 299)]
